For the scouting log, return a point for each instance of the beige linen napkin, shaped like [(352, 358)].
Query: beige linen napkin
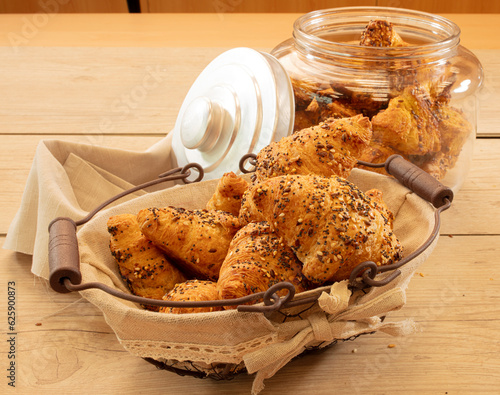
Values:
[(71, 179)]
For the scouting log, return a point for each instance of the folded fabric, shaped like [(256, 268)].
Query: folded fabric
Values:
[(69, 180)]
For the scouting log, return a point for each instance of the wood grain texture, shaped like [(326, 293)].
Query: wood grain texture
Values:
[(226, 30), (97, 90), (72, 350), (93, 90)]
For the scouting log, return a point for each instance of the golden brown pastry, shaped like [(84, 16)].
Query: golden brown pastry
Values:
[(305, 119), (363, 101), (454, 130), (408, 124), (305, 91), (436, 164), (193, 291), (381, 33), (257, 259), (330, 148), (329, 223), (197, 239), (377, 198), (143, 266), (435, 78), (227, 196), (321, 108), (377, 153), (337, 109)]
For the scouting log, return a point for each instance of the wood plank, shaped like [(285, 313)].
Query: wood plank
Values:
[(132, 90), (188, 30), (97, 90), (146, 30), (488, 94), (475, 210), (457, 348)]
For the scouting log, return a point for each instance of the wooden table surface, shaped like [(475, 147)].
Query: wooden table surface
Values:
[(63, 76)]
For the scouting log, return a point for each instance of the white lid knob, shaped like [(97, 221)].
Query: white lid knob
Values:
[(201, 124)]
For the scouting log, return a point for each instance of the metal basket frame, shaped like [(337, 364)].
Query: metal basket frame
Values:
[(64, 263)]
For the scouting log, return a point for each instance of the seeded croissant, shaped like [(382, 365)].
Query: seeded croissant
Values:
[(197, 239), (192, 291), (329, 223), (330, 148), (436, 79), (257, 259), (381, 33), (227, 196), (143, 266)]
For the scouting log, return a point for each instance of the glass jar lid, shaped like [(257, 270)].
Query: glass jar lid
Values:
[(241, 101)]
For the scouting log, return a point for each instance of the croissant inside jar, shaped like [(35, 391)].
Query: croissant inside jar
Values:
[(405, 70)]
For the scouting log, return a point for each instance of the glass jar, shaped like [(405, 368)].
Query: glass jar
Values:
[(405, 70)]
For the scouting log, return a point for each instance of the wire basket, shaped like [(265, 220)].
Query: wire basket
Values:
[(223, 344)]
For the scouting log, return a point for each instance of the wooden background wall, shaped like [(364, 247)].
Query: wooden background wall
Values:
[(297, 6)]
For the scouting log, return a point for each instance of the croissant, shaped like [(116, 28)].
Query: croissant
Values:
[(320, 108), (197, 239), (194, 291), (454, 130), (381, 33), (256, 260), (408, 124), (436, 79), (330, 148), (227, 196), (378, 201), (144, 267), (329, 223), (304, 91)]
